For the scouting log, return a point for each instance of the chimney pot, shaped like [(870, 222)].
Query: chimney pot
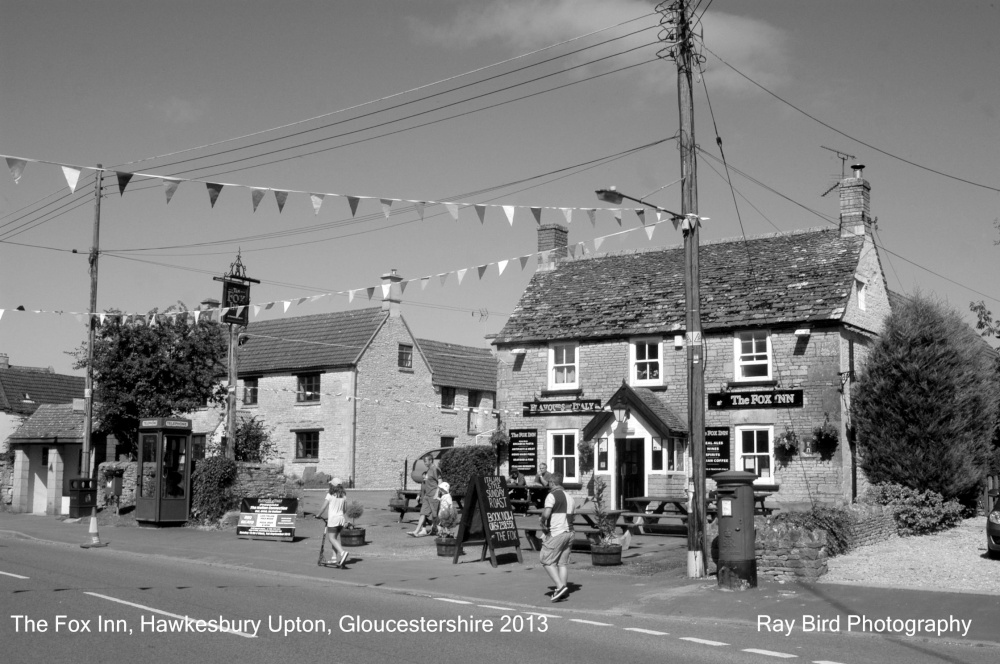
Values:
[(392, 296), (553, 238)]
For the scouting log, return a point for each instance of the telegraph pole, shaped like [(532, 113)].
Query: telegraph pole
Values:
[(235, 305)]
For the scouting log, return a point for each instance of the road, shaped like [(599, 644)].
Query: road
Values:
[(65, 604)]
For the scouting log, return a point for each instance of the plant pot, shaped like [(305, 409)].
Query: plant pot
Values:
[(446, 546), (606, 555), (352, 536)]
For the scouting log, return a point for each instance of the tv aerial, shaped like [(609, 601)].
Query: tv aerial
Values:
[(843, 156)]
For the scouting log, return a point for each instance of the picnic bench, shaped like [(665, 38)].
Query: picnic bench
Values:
[(407, 495), (583, 524), (642, 515)]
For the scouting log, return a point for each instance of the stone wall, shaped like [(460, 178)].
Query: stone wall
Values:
[(783, 552), (871, 524), (6, 480)]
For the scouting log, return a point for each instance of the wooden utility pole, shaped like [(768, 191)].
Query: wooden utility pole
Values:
[(697, 526), (88, 392)]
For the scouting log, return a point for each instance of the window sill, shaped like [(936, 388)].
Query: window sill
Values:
[(405, 370), (305, 460), (447, 410), (555, 392), (307, 403), (752, 383), (656, 387)]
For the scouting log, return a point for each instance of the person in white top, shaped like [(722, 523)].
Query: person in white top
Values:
[(557, 525), (336, 500)]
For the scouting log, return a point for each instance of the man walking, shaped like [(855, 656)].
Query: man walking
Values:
[(557, 526)]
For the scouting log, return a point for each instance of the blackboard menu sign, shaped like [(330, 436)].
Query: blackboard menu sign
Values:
[(267, 518), (524, 450), (717, 449), (487, 518)]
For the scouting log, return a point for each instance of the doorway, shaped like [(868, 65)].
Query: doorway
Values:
[(38, 462), (631, 472)]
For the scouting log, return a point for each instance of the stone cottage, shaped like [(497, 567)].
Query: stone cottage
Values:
[(355, 394), (787, 321)]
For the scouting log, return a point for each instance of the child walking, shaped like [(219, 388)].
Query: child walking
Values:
[(335, 501)]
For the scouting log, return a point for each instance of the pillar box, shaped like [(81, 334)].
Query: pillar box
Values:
[(737, 535)]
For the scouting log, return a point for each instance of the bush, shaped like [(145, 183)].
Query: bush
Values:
[(212, 488), (836, 521), (253, 441), (461, 464), (917, 512)]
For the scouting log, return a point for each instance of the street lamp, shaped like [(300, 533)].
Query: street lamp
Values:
[(615, 197)]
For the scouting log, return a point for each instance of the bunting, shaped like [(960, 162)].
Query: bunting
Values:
[(123, 180), (256, 196), (214, 189), (72, 177), (280, 197), (169, 187)]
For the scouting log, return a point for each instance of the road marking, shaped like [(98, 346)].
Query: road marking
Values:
[(16, 576), (704, 642), (645, 631), (769, 653), (498, 608), (823, 661), (453, 601), (590, 622), (543, 615), (164, 613)]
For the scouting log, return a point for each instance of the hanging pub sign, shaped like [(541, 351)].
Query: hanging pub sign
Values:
[(267, 518), (236, 302), (762, 399), (717, 450), (487, 518), (530, 408), (524, 450)]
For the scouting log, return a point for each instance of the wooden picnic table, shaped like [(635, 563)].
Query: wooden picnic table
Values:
[(642, 514), (531, 496), (584, 522), (407, 495)]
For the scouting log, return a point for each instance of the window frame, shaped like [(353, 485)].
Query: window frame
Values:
[(251, 392), (299, 435), (404, 356), (738, 445), (633, 352), (448, 404), (551, 457), (303, 394), (554, 367), (739, 363)]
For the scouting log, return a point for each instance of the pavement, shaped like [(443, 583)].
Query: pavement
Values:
[(651, 582)]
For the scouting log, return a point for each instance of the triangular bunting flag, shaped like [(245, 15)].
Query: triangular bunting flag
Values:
[(420, 209), (123, 180), (385, 290), (72, 176), (286, 304), (598, 241), (501, 266), (592, 213), (370, 291), (568, 213), (618, 216), (267, 307), (642, 215), (240, 310), (213, 192), (545, 255), (353, 202), (280, 197), (481, 211), (676, 222), (101, 317), (537, 213), (256, 196), (444, 277), (524, 261), (649, 231), (482, 270), (317, 201), (386, 206), (509, 211), (452, 210), (299, 301), (423, 283), (403, 285), (197, 315), (460, 274), (16, 167), (350, 296), (169, 187), (256, 310), (1, 313)]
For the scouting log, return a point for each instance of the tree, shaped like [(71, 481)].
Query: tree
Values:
[(253, 441), (925, 406), (161, 365)]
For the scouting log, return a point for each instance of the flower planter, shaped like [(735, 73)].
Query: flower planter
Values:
[(606, 555), (446, 546), (352, 536)]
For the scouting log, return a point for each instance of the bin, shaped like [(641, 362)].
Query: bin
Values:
[(82, 496)]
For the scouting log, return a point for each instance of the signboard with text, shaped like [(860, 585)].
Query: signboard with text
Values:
[(717, 450), (267, 518), (487, 518), (762, 399), (236, 298), (581, 406), (523, 452)]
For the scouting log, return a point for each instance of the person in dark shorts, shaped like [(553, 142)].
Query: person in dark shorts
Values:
[(557, 527)]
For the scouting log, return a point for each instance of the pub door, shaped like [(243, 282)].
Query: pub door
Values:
[(631, 472)]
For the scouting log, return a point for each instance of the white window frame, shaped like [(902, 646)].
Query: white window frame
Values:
[(633, 352), (738, 445), (550, 457), (554, 367), (739, 363)]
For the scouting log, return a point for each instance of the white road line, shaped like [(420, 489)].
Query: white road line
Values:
[(16, 576), (590, 622), (704, 642), (498, 608), (544, 615), (645, 631), (769, 653), (164, 613), (453, 601), (823, 661)]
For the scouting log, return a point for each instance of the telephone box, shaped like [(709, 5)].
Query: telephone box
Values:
[(163, 483), (737, 534)]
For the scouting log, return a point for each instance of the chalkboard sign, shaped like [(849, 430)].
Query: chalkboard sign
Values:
[(487, 518)]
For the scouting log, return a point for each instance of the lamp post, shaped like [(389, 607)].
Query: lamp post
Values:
[(697, 549)]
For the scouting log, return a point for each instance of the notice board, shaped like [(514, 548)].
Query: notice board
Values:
[(267, 518), (717, 450), (524, 450), (487, 518)]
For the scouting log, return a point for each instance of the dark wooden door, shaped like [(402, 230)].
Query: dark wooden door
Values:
[(631, 469)]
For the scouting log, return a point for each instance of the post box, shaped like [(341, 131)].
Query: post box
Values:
[(737, 535)]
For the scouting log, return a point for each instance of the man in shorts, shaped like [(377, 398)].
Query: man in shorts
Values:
[(429, 502), (557, 525)]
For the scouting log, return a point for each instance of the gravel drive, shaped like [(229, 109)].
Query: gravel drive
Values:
[(954, 560)]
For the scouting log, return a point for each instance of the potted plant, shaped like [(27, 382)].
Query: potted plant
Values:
[(786, 445), (352, 535), (824, 439), (605, 550), (397, 502), (445, 541)]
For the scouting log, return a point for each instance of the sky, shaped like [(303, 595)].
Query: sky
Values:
[(524, 104)]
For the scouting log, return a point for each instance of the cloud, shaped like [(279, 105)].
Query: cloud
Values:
[(178, 111)]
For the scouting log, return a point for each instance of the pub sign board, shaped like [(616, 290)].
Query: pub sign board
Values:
[(234, 296), (717, 450), (488, 518), (267, 518), (566, 407), (760, 399), (523, 453)]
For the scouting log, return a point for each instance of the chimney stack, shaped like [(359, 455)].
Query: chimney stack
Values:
[(4, 361), (392, 293), (855, 204), (554, 237)]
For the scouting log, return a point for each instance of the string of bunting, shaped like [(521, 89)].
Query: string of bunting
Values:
[(17, 166), (577, 250)]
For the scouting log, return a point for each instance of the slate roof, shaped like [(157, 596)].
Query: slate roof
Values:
[(661, 409), (803, 276), (49, 422), (308, 342), (460, 366), (41, 387)]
